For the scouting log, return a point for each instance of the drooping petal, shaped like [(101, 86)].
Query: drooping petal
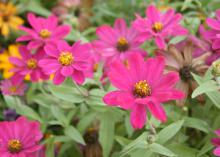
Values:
[(78, 77), (138, 116), (58, 78)]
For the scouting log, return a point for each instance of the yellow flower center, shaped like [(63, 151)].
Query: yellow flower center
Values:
[(157, 27), (66, 58), (13, 89), (44, 33), (14, 146), (122, 44), (142, 89), (32, 63)]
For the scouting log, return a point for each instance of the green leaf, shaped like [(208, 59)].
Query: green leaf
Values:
[(208, 86), (207, 147), (106, 133), (38, 8), (159, 149), (85, 121), (74, 134), (170, 131), (59, 115), (66, 93), (177, 39), (182, 150), (197, 124)]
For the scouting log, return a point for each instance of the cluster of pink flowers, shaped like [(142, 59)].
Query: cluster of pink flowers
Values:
[(141, 83)]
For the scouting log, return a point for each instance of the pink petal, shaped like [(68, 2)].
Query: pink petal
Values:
[(51, 22), (63, 46), (119, 76), (160, 42), (216, 44), (215, 141), (120, 26), (107, 34), (33, 21), (119, 98), (78, 76), (218, 14), (58, 78), (16, 61), (67, 71), (35, 44), (24, 38), (80, 65), (138, 116), (61, 31), (52, 50), (25, 53), (213, 23), (167, 95), (217, 151), (153, 14)]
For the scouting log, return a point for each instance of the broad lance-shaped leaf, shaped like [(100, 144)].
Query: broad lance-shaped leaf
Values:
[(159, 149), (206, 87), (106, 133), (170, 131), (213, 96), (59, 115), (197, 124), (74, 134)]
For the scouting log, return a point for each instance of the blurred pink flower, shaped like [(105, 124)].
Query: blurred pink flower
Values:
[(142, 85), (213, 34), (28, 64), (43, 31), (19, 138), (159, 26), (66, 61), (117, 42), (13, 86), (216, 142)]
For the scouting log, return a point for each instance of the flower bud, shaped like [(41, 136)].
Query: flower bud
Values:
[(216, 68)]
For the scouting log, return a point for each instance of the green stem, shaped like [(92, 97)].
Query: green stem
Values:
[(80, 91)]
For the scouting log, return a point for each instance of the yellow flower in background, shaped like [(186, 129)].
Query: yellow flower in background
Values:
[(5, 65), (8, 18)]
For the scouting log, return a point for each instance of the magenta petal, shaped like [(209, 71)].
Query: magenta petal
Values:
[(58, 78), (25, 53), (120, 26), (215, 141), (107, 34), (138, 116), (163, 96), (61, 31), (217, 132), (16, 61), (160, 42), (33, 21), (34, 44), (51, 50), (119, 98), (217, 151), (157, 110), (24, 38), (63, 46), (78, 76), (67, 70), (153, 14), (216, 44), (218, 14), (213, 23)]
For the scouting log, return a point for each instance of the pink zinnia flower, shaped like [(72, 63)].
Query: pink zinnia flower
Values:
[(117, 42), (159, 26), (66, 61), (216, 142), (44, 30), (214, 33), (13, 86), (142, 86), (19, 138), (28, 64)]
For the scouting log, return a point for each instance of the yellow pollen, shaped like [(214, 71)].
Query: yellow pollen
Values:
[(44, 33), (157, 27), (13, 89), (142, 89), (14, 146), (32, 63), (122, 44), (95, 67), (66, 58)]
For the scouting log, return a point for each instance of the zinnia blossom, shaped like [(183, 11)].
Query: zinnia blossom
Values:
[(214, 33), (159, 26), (141, 86), (66, 61), (8, 18), (19, 138), (44, 31), (216, 142), (182, 61), (28, 64), (13, 86), (117, 42)]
